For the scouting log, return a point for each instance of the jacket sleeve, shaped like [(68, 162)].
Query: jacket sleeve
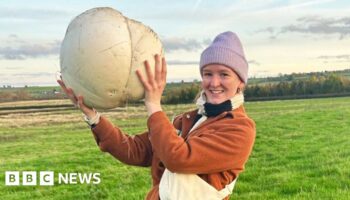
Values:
[(132, 150), (222, 147)]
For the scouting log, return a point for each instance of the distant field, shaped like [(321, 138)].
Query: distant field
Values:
[(33, 90), (301, 152), (295, 76)]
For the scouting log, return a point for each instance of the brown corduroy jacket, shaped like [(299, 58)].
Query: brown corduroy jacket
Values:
[(216, 150)]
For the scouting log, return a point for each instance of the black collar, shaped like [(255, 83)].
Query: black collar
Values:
[(213, 110)]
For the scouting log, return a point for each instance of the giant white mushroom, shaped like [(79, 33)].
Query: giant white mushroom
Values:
[(100, 53)]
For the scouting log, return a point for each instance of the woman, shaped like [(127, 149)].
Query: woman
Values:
[(200, 154)]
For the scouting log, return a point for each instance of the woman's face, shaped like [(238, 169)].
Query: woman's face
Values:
[(220, 83)]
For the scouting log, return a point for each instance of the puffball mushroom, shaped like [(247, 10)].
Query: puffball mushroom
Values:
[(100, 53)]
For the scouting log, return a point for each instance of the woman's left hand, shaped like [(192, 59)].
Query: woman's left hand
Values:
[(154, 84)]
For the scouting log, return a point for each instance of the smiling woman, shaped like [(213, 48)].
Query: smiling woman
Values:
[(220, 83), (201, 153)]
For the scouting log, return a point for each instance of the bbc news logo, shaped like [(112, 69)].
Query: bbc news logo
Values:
[(46, 178)]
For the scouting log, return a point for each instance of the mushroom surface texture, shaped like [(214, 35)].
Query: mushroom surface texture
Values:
[(100, 53)]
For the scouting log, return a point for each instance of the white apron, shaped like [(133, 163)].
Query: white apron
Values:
[(175, 186)]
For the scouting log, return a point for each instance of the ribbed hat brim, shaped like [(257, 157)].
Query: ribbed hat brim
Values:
[(227, 57)]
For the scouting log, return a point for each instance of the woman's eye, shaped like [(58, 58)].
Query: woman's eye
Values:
[(224, 74), (207, 74)]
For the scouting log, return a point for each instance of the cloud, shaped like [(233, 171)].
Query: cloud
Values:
[(253, 62), (33, 75), (179, 62), (20, 79), (14, 68), (317, 25), (273, 5), (18, 49), (7, 13), (313, 25), (336, 58), (177, 43)]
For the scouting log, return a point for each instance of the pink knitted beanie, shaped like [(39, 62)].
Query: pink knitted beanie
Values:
[(226, 49)]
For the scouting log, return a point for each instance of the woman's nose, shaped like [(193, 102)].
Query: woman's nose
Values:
[(215, 81)]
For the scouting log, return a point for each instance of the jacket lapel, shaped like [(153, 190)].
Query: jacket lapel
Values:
[(188, 119), (211, 120), (187, 122)]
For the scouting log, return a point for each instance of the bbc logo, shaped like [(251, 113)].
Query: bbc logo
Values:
[(46, 178)]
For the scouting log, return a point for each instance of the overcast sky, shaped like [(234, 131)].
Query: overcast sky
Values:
[(278, 36)]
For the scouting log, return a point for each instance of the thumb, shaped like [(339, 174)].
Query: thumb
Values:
[(86, 110)]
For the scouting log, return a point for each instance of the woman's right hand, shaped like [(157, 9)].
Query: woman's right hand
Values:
[(77, 100)]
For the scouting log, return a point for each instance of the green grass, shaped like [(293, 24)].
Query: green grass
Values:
[(301, 152)]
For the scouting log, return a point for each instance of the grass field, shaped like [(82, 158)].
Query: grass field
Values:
[(301, 152)]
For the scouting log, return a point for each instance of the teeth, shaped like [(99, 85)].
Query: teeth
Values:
[(216, 91)]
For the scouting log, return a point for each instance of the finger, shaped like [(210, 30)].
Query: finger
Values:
[(158, 68), (149, 73), (143, 80), (61, 83), (68, 91), (164, 69), (72, 96), (90, 112), (64, 88), (81, 105)]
